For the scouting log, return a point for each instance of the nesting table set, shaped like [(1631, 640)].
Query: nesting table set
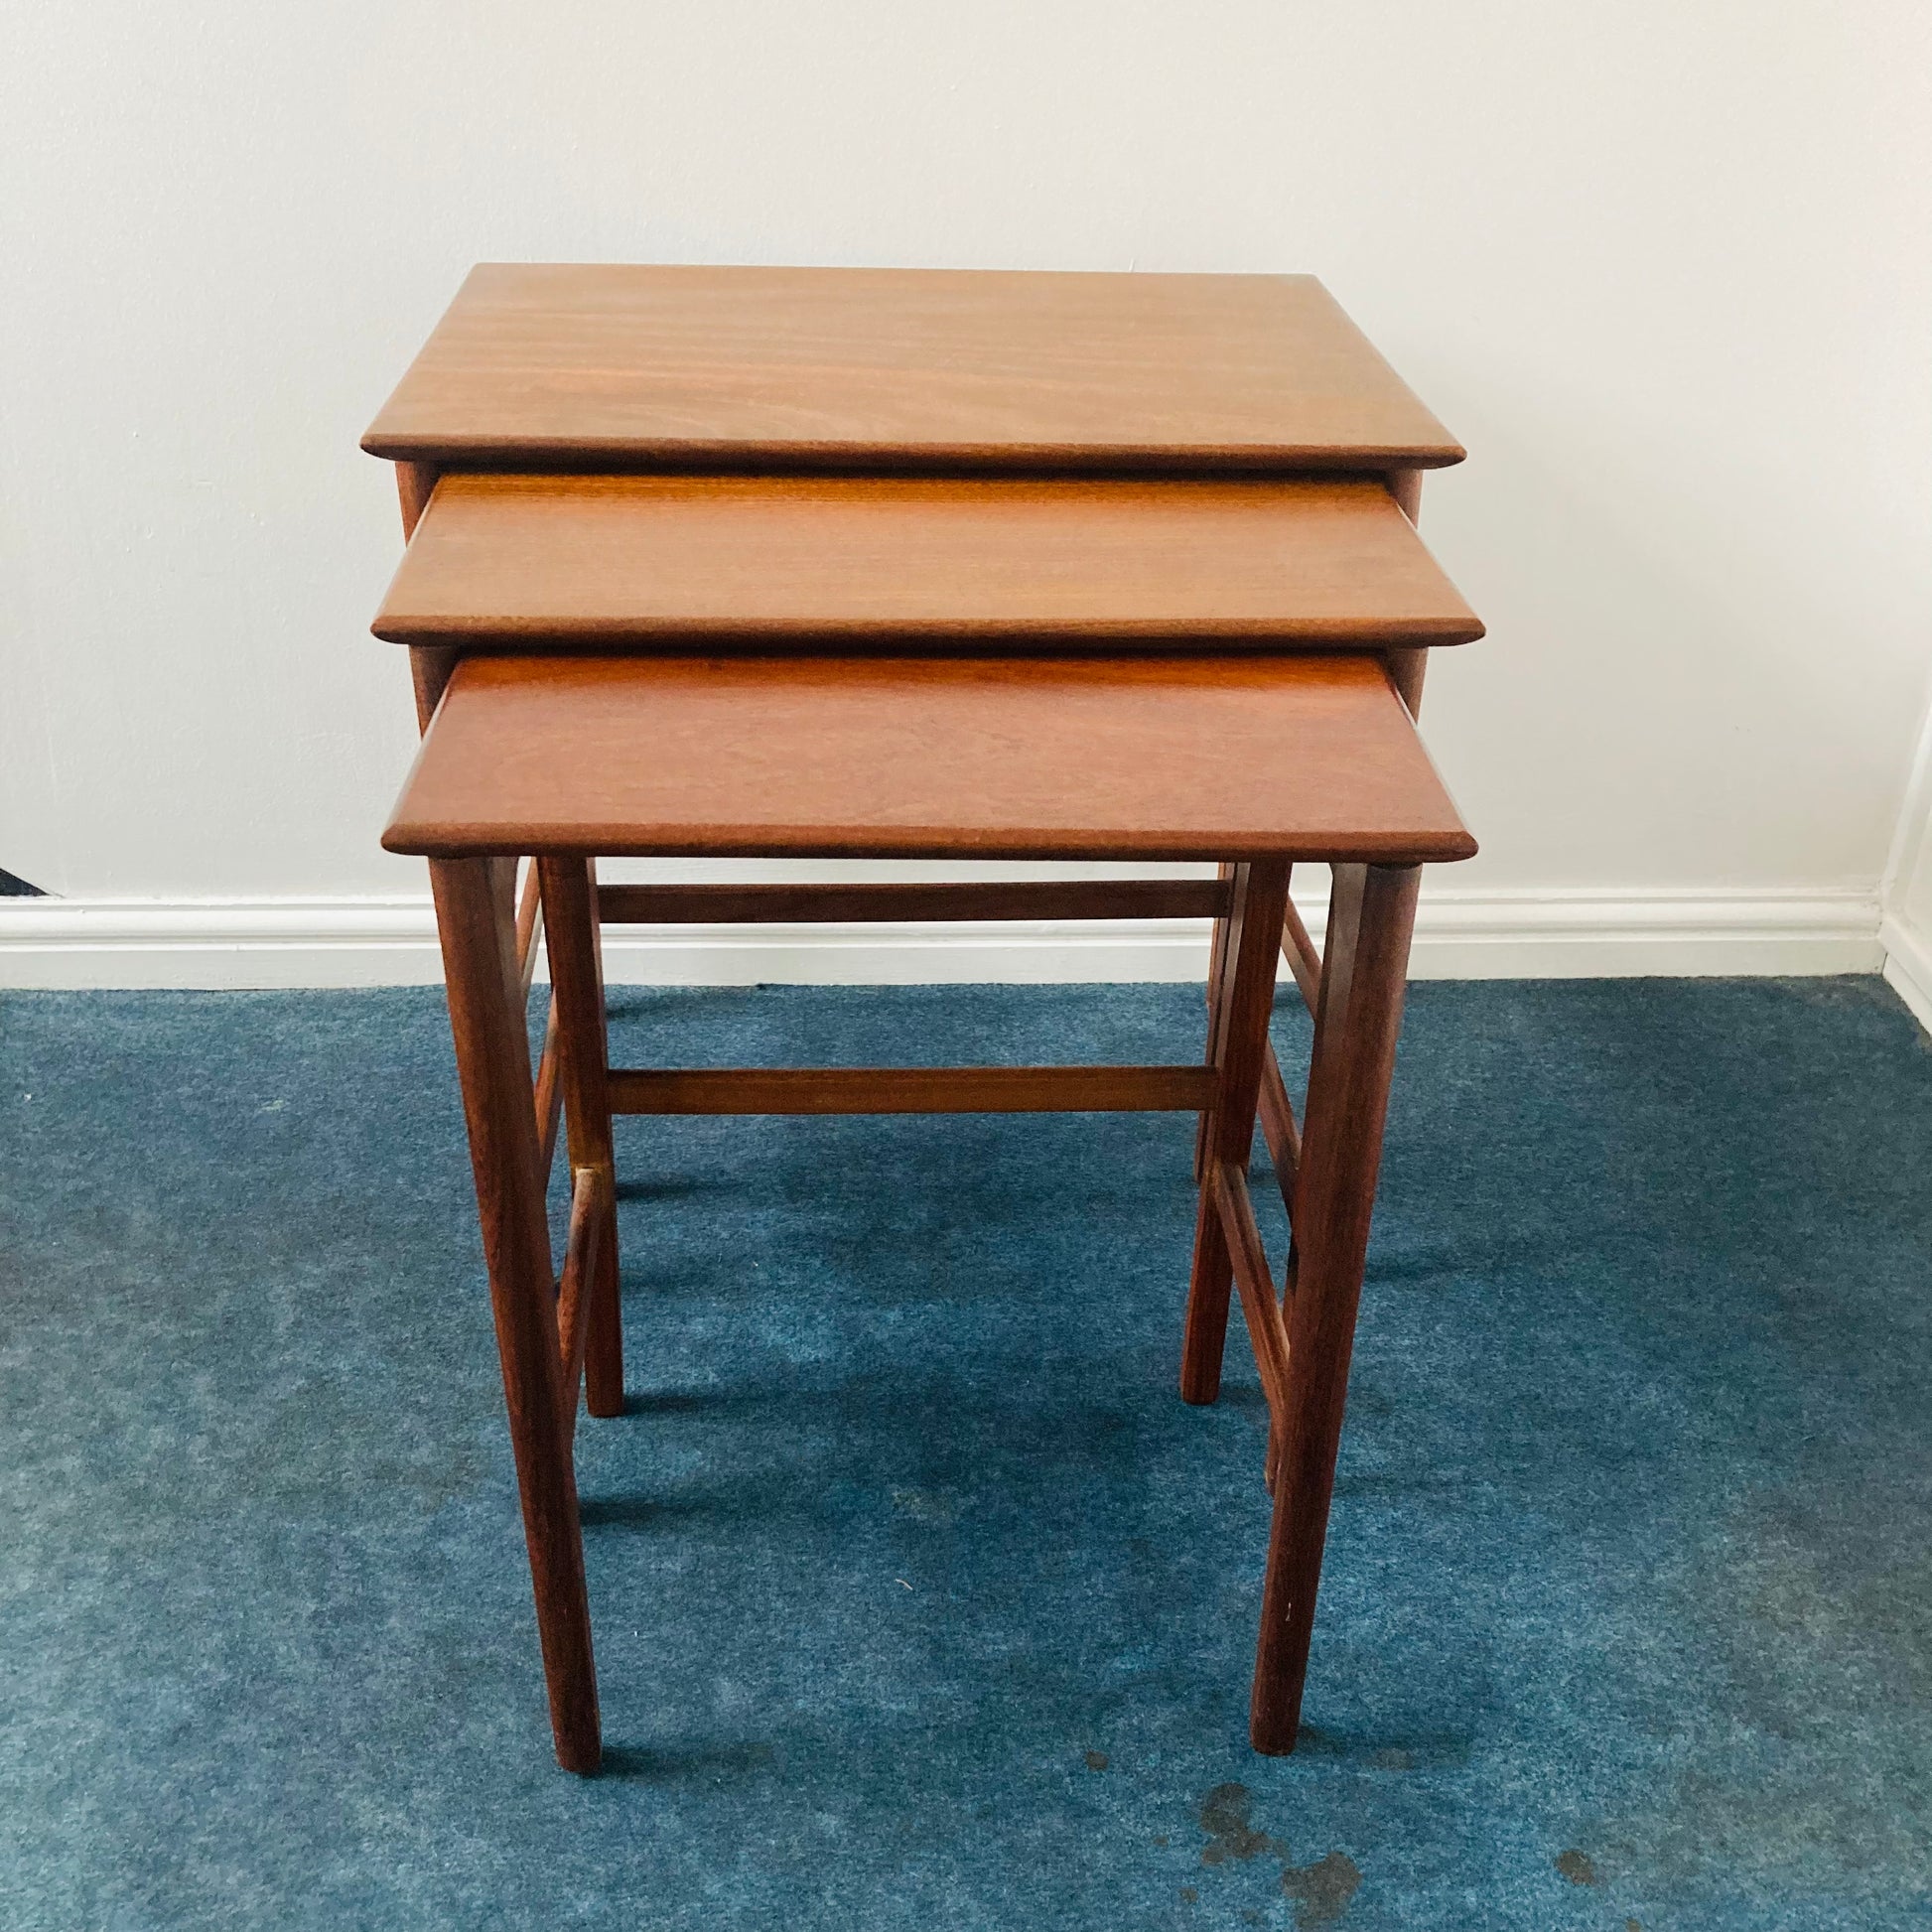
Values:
[(810, 564)]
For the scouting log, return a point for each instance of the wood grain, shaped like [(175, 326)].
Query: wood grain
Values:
[(569, 894), (1302, 955), (604, 561), (529, 909), (494, 1060), (1305, 756), (1371, 916), (1407, 667), (415, 485), (578, 1288), (911, 1090), (429, 665), (1278, 1128), (549, 1095), (1238, 1051), (991, 898), (616, 366), (1261, 1309)]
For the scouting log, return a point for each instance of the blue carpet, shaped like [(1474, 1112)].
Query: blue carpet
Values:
[(922, 1599)]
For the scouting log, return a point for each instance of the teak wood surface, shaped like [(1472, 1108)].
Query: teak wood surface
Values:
[(911, 1090), (475, 924), (1311, 756), (1358, 1015), (977, 898), (574, 941), (630, 560), (621, 366)]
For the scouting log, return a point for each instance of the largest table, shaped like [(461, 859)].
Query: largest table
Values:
[(833, 467)]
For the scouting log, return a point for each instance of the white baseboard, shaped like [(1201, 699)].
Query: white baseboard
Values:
[(289, 942), (1908, 966)]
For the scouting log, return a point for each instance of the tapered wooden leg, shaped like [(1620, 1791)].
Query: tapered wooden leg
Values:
[(1406, 670), (1238, 1049), (430, 667), (571, 932), (1217, 957), (1363, 977), (476, 921)]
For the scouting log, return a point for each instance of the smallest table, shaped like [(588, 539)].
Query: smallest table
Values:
[(1252, 762)]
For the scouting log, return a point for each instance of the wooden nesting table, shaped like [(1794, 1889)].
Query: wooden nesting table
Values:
[(833, 563)]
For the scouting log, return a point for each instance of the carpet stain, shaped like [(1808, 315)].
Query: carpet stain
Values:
[(1097, 1760), (1224, 1818), (1321, 1890), (1578, 1867)]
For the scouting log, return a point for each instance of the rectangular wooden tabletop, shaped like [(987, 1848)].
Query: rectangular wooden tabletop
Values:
[(614, 366), (1154, 758), (576, 560)]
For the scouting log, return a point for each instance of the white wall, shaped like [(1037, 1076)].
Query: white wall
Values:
[(1663, 266), (1908, 929)]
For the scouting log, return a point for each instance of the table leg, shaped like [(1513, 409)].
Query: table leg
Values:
[(1238, 1049), (477, 922), (1406, 669), (1217, 953), (571, 932), (1364, 979), (429, 665), (429, 669)]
